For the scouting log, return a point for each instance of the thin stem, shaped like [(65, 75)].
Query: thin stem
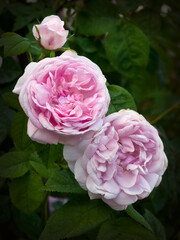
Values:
[(162, 115), (41, 56), (44, 210), (30, 56)]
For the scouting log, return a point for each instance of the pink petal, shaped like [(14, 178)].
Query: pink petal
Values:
[(42, 135), (152, 179), (21, 81), (111, 187), (127, 178), (125, 199), (114, 205), (80, 174)]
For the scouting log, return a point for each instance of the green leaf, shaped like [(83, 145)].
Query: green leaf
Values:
[(85, 44), (18, 9), (14, 164), (63, 181), (29, 224), (74, 219), (124, 229), (137, 217), (45, 169), (156, 225), (27, 13), (26, 192), (43, 161), (120, 99), (128, 50), (97, 18), (22, 21), (10, 71), (12, 100), (19, 131), (35, 49), (14, 44)]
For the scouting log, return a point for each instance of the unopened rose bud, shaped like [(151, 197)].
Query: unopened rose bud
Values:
[(51, 33)]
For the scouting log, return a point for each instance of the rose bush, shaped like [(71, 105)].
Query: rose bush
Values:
[(122, 163), (64, 98), (51, 33)]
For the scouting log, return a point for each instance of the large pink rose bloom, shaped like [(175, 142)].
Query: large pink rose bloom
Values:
[(122, 163), (64, 98), (52, 33)]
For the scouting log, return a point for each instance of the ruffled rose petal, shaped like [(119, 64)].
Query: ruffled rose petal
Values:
[(125, 199), (41, 135), (24, 78)]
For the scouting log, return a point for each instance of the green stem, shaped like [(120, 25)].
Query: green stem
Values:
[(162, 115), (52, 54), (65, 49), (30, 56), (41, 56), (137, 217), (45, 209)]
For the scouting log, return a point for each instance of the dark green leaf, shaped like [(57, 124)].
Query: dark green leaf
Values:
[(10, 71), (120, 99), (63, 181), (43, 161), (137, 217), (21, 21), (18, 9), (12, 100), (97, 18), (74, 219), (156, 225), (85, 44), (124, 229), (35, 49), (14, 164), (14, 44), (29, 224), (128, 50), (26, 192), (45, 169), (19, 131)]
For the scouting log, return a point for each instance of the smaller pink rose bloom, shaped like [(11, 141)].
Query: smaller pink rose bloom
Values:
[(122, 163), (52, 33), (65, 98)]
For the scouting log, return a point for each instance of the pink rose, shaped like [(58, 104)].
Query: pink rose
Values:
[(52, 33), (64, 98), (122, 163)]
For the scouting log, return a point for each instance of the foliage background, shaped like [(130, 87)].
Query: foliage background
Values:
[(137, 45)]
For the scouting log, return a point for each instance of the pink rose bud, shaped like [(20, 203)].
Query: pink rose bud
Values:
[(64, 98), (51, 33), (122, 163)]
